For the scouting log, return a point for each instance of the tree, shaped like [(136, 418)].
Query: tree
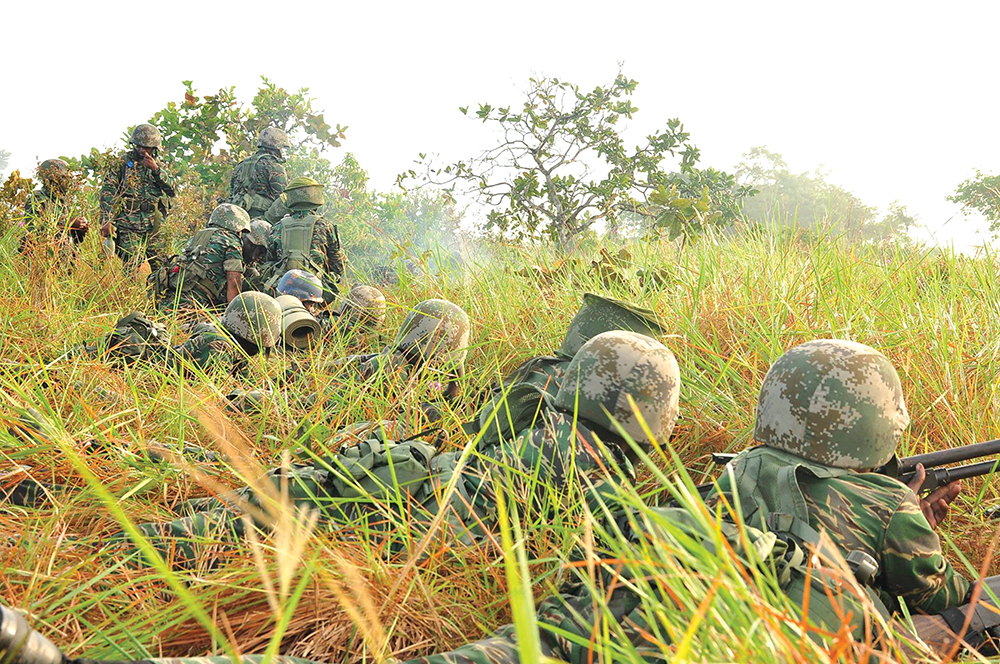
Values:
[(4, 159), (204, 136), (982, 194), (562, 165), (812, 204)]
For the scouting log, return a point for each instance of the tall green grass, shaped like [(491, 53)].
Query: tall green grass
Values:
[(731, 306)]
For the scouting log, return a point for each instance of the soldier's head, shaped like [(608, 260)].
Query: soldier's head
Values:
[(254, 320), (363, 310), (146, 139), (303, 193), (255, 242), (616, 365), (304, 286), (55, 174), (435, 336), (275, 141), (230, 217), (838, 403), (602, 314)]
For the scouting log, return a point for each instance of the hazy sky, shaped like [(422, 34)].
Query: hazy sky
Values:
[(898, 100)]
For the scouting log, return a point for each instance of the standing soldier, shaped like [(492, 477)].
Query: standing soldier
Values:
[(259, 179), (304, 240), (209, 270), (135, 198), (52, 210)]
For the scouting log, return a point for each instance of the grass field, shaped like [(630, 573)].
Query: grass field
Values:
[(731, 308)]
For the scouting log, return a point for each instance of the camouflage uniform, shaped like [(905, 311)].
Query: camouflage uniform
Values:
[(304, 240), (199, 278), (259, 179), (547, 451), (135, 200), (53, 212)]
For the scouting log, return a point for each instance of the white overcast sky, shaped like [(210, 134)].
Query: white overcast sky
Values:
[(897, 99)]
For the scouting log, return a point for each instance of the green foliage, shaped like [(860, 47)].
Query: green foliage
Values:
[(808, 202), (207, 135), (4, 159), (981, 194), (562, 165)]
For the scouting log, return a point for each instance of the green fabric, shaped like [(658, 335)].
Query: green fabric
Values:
[(256, 182), (203, 266), (325, 256), (133, 197), (868, 512)]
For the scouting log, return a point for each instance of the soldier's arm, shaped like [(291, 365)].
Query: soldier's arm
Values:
[(913, 566), (232, 264), (336, 259), (165, 182), (277, 180), (109, 190)]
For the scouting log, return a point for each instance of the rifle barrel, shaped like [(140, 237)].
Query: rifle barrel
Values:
[(952, 455)]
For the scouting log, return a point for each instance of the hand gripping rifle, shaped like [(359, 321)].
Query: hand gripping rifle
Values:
[(937, 475)]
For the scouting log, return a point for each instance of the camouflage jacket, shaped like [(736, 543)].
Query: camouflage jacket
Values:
[(326, 254), (256, 182), (203, 264), (206, 348), (134, 197), (859, 511)]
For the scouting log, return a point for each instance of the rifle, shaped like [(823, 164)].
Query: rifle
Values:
[(904, 469)]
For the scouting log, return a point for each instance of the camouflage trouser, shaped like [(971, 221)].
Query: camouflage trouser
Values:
[(371, 487), (133, 246)]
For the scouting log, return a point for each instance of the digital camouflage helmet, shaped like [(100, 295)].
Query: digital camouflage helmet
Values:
[(303, 193), (603, 314), (435, 333), (616, 365), (275, 139), (838, 403), (231, 217), (52, 168), (300, 284), (146, 136), (363, 308), (260, 232), (255, 318)]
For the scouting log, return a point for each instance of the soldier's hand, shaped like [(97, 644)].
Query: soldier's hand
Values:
[(79, 223), (149, 162), (106, 229), (935, 505)]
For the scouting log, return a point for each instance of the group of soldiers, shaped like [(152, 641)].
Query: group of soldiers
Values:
[(580, 421)]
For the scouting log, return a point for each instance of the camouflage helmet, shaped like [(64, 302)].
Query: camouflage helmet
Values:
[(303, 193), (603, 314), (231, 217), (839, 403), (302, 285), (254, 317), (363, 308), (52, 168), (146, 136), (436, 331), (273, 138), (260, 232), (614, 365)]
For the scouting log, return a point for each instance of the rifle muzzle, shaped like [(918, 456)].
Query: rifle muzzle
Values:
[(20, 644), (299, 328)]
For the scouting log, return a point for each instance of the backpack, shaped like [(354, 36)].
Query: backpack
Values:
[(136, 337)]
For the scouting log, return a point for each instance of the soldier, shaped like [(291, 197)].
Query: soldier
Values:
[(135, 198), (574, 439), (362, 311), (258, 180), (250, 325), (304, 240), (305, 286), (209, 270), (254, 252), (51, 210)]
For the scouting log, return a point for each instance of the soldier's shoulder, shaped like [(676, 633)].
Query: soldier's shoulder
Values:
[(875, 488)]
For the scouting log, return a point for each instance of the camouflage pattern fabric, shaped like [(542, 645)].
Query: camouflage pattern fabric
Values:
[(325, 249), (206, 348), (256, 182), (203, 264), (859, 511), (47, 218), (836, 402), (135, 200), (600, 314), (369, 480)]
